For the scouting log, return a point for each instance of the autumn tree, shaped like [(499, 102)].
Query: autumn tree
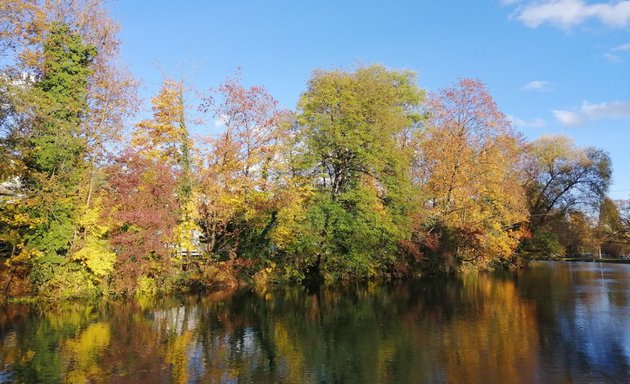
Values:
[(238, 209), (363, 180), (352, 126), (111, 98), (561, 178), (578, 235), (65, 103), (143, 210), (165, 139), (467, 171), (53, 151), (613, 227)]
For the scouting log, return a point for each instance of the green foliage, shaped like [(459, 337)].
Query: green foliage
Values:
[(53, 154), (58, 143), (52, 226), (57, 278), (544, 243), (355, 127), (56, 150)]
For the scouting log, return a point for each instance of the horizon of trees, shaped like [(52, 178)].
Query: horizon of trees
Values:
[(369, 177)]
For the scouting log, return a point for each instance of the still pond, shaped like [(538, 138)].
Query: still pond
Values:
[(550, 323)]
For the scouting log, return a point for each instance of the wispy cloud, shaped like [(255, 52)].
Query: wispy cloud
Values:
[(538, 85), (589, 112), (614, 54), (621, 48), (566, 14), (615, 59), (521, 123)]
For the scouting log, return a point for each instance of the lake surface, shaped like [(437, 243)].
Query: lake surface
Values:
[(551, 323)]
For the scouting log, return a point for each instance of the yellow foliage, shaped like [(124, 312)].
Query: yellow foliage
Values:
[(81, 354), (187, 227), (97, 257), (159, 137), (25, 255), (177, 357), (469, 172), (93, 251), (147, 287), (292, 211)]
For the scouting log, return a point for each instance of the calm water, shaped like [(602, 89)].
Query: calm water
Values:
[(553, 323)]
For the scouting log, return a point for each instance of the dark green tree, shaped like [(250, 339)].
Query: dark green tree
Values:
[(53, 149)]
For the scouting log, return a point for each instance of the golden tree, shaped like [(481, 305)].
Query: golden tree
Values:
[(468, 168)]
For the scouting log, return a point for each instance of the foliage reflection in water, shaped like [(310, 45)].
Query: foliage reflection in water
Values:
[(551, 323)]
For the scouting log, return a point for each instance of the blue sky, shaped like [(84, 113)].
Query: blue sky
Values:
[(553, 66)]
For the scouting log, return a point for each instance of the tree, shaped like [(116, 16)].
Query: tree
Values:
[(353, 127), (560, 179), (165, 139), (142, 206), (577, 234), (54, 151), (468, 175), (238, 209), (64, 100), (614, 227)]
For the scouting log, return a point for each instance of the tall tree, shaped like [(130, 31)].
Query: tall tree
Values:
[(468, 175), (66, 102), (353, 126), (560, 179), (54, 153), (241, 170), (165, 139)]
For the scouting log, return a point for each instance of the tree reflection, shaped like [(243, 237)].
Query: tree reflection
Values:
[(536, 326)]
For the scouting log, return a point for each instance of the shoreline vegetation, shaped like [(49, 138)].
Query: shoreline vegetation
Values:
[(369, 177), (595, 260)]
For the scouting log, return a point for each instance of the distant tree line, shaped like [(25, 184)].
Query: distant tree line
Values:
[(369, 177)]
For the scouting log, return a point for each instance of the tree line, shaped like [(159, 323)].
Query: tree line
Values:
[(370, 176)]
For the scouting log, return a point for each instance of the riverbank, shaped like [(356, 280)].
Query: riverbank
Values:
[(602, 260)]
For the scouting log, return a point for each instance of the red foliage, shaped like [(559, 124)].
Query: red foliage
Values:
[(143, 207)]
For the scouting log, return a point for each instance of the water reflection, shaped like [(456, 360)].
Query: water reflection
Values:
[(552, 323), (585, 320)]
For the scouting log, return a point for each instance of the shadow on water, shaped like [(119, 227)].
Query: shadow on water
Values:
[(551, 323)]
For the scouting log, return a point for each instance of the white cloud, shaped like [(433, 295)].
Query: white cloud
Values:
[(537, 85), (621, 48), (566, 14), (568, 118), (588, 112), (520, 123)]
